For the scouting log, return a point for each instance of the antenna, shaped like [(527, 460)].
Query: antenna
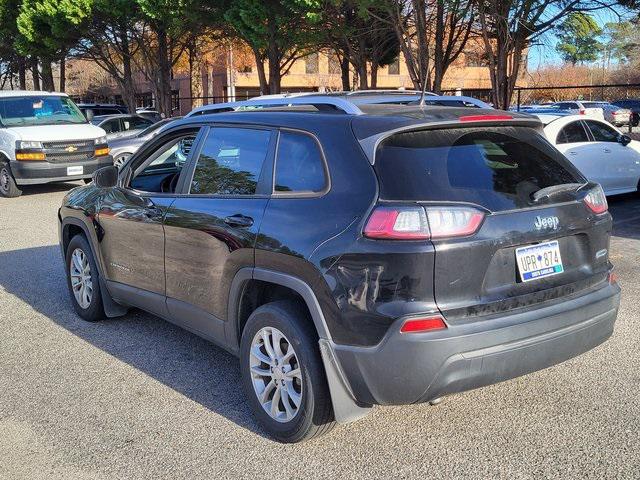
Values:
[(424, 91)]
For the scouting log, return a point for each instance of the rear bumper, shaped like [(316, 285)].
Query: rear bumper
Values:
[(410, 368), (30, 173)]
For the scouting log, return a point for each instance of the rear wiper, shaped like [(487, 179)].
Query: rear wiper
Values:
[(554, 190)]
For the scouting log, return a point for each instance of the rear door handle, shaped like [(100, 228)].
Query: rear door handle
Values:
[(238, 221), (572, 152), (606, 150)]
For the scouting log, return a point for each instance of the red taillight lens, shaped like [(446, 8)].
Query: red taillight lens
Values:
[(403, 223), (447, 222), (484, 118), (417, 223), (613, 277), (596, 200), (419, 325)]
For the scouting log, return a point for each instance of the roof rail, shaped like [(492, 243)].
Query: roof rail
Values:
[(386, 92), (318, 101)]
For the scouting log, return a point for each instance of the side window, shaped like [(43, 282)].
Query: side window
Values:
[(139, 122), (230, 161), (160, 170), (572, 133), (602, 132), (299, 164), (112, 126)]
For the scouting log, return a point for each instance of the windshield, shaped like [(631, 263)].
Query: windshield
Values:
[(39, 110)]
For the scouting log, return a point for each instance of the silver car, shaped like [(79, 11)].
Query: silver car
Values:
[(123, 148), (612, 113)]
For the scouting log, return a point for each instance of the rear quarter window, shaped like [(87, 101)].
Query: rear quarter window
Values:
[(498, 168)]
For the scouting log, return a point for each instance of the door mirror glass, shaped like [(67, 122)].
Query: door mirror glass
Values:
[(624, 140), (106, 177)]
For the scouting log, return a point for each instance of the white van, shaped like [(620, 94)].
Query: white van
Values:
[(45, 138)]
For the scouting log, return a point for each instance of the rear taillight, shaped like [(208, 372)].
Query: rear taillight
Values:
[(420, 325), (402, 223), (484, 118), (596, 200), (453, 221), (612, 277), (417, 223), (582, 111)]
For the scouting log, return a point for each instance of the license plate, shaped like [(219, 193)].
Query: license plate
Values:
[(77, 170), (539, 261)]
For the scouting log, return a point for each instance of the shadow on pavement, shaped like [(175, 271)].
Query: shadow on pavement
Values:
[(180, 360), (625, 210), (48, 188)]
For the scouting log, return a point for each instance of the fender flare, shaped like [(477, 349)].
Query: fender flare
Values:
[(111, 308), (345, 406)]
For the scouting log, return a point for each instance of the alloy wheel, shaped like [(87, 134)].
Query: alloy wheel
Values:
[(275, 374), (80, 273), (4, 180)]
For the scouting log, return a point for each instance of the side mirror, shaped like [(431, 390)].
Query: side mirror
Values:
[(624, 140), (106, 177), (89, 114)]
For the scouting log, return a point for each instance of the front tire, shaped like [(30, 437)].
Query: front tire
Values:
[(83, 280), (8, 186), (283, 375)]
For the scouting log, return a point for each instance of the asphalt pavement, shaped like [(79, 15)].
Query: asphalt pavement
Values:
[(138, 398)]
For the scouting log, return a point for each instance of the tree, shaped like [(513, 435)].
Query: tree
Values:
[(49, 28), (578, 38), (278, 32), (507, 29), (109, 41), (622, 41), (12, 60)]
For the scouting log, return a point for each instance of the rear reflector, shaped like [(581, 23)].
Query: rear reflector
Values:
[(596, 200), (402, 223), (613, 278), (418, 325), (484, 118)]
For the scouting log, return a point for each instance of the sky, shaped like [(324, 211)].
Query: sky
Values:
[(545, 53)]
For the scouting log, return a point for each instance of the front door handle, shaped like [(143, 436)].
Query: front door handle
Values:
[(239, 221), (606, 150)]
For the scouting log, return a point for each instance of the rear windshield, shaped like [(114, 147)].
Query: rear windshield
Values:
[(498, 168)]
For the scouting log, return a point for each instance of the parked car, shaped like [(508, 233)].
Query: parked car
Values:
[(90, 110), (118, 126), (45, 138), (149, 114), (123, 148), (633, 105), (600, 151), (358, 97), (613, 114), (579, 108), (351, 255)]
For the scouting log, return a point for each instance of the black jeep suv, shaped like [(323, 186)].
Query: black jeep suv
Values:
[(351, 256)]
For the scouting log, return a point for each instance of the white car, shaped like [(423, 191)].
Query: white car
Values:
[(599, 150), (44, 138), (579, 108)]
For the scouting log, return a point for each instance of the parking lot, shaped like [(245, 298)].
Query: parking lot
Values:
[(135, 397)]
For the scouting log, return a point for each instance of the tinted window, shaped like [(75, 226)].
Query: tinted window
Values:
[(602, 132), (572, 133), (299, 165), (231, 161), (498, 168), (111, 126), (139, 122)]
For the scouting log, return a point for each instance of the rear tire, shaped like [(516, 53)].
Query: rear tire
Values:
[(8, 186), (83, 280), (292, 347)]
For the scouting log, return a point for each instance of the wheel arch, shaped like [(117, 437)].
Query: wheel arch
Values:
[(345, 405), (76, 226)]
